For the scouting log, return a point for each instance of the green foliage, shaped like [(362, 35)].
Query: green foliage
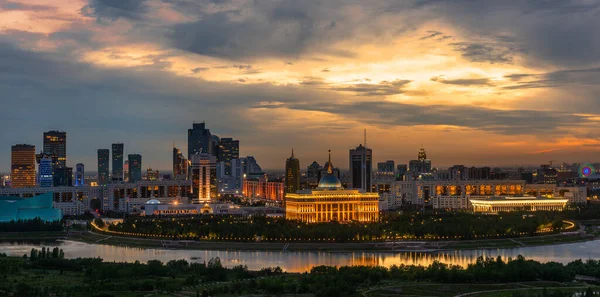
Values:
[(428, 225), (93, 277), (33, 225)]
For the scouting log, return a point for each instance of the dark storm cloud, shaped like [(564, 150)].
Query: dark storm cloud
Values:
[(587, 76), (487, 52), (561, 33), (463, 81), (509, 122), (115, 9)]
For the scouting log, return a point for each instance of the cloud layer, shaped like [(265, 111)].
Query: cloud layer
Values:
[(462, 77)]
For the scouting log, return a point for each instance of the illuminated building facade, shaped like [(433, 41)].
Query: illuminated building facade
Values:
[(55, 144), (292, 174), (361, 165), (152, 174), (79, 175), (451, 194), (17, 208), (204, 177), (117, 161), (45, 179), (228, 149), (135, 167), (331, 202), (22, 168), (264, 188), (180, 165), (63, 177), (200, 140), (525, 203), (103, 159)]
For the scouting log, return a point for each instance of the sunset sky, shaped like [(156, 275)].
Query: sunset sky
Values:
[(475, 82)]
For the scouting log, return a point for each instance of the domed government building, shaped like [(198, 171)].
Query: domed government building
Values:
[(331, 202)]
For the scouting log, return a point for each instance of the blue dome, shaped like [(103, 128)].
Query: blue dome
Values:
[(153, 201), (330, 182)]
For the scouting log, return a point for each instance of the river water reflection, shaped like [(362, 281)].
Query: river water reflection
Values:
[(304, 261)]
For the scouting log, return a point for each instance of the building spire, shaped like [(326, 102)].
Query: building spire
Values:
[(329, 165), (292, 152), (365, 141)]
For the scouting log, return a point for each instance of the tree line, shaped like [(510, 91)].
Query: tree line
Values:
[(428, 225), (93, 276)]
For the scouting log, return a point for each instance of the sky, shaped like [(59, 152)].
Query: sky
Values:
[(475, 82)]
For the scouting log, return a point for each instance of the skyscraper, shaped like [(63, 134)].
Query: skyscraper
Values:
[(79, 174), (135, 167), (45, 171), (292, 174), (386, 167), (117, 161), (422, 164), (180, 165), (250, 166), (199, 140), (204, 177), (360, 168), (103, 157), (228, 150), (22, 169), (63, 177), (55, 144)]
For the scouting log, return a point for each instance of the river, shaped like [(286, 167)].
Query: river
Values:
[(304, 261)]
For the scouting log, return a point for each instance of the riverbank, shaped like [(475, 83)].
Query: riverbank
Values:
[(398, 246)]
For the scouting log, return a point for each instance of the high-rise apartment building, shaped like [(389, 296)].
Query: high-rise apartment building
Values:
[(63, 177), (180, 165), (117, 161), (103, 157), (228, 149), (292, 174), (135, 167), (200, 140), (79, 174), (22, 166), (45, 171), (386, 167), (360, 168), (55, 145), (204, 177)]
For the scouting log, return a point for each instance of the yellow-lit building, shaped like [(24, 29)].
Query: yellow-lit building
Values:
[(526, 203), (331, 202)]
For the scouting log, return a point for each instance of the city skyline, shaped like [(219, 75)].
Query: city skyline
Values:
[(519, 88)]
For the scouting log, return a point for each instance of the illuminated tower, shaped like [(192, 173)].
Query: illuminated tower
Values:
[(79, 174), (200, 140), (103, 163), (135, 167), (55, 145), (22, 166), (117, 161), (45, 171), (204, 177), (292, 174), (361, 165), (180, 164)]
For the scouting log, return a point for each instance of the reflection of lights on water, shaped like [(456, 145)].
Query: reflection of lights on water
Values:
[(304, 261)]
